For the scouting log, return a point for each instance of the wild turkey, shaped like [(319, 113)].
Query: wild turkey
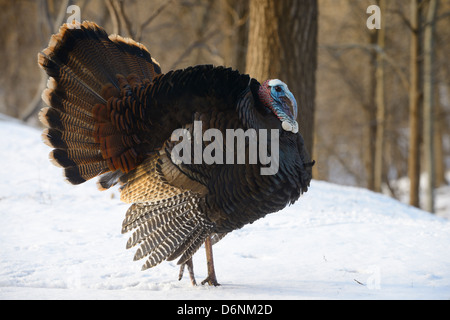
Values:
[(112, 114)]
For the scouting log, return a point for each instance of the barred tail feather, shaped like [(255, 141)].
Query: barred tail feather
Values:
[(192, 244), (167, 229), (153, 213), (86, 68)]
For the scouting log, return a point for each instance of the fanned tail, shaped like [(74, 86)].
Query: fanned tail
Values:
[(167, 229), (86, 127)]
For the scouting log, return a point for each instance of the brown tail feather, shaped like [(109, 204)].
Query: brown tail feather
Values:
[(53, 118), (74, 157), (87, 68)]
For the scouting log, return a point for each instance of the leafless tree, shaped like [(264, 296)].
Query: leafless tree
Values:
[(429, 104)]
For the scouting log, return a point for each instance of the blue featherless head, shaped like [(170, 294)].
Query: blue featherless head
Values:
[(276, 96)]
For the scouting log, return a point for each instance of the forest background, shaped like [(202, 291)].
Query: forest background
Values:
[(374, 103)]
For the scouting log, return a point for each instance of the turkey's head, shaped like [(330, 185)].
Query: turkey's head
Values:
[(276, 96)]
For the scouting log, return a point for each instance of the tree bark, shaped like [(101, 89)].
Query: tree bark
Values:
[(428, 104), (438, 137), (414, 106), (381, 107), (370, 110), (283, 44)]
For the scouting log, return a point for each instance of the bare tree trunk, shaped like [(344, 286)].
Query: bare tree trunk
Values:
[(264, 47), (428, 104), (370, 109), (414, 106), (381, 107), (438, 135), (283, 44)]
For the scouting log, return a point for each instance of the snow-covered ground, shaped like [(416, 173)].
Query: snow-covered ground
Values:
[(63, 242)]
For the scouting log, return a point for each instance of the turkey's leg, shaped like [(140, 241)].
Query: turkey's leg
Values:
[(190, 266), (211, 279)]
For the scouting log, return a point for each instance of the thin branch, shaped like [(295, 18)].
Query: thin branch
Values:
[(348, 78), (152, 17), (404, 19), (124, 21), (369, 48), (238, 22), (114, 17), (442, 16), (200, 43)]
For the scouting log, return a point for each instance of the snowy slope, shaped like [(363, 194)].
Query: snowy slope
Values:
[(63, 242)]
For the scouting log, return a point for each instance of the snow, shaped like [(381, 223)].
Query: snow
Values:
[(63, 242)]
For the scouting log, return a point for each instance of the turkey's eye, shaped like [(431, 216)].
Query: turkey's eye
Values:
[(278, 89)]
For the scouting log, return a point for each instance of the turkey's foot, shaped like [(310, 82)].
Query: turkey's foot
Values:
[(211, 279), (190, 267)]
